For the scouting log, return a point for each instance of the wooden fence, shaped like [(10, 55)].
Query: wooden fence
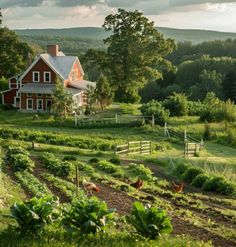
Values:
[(192, 148), (134, 147)]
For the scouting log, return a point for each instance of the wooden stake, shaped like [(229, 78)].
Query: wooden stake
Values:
[(77, 180)]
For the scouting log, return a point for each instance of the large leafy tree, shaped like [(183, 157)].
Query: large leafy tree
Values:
[(104, 92), (14, 54), (62, 100), (135, 48)]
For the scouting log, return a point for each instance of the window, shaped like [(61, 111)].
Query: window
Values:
[(29, 94), (35, 76), (48, 104), (39, 104), (47, 76), (39, 95), (29, 104)]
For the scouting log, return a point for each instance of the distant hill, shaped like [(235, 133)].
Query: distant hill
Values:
[(195, 36)]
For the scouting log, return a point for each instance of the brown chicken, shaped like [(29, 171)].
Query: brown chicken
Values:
[(177, 188), (138, 184), (90, 187)]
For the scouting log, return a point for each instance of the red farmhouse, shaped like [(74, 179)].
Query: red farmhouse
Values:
[(33, 89)]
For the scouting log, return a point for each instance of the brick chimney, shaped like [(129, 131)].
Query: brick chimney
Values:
[(53, 50)]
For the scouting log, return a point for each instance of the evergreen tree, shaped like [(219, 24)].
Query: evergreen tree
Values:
[(104, 93), (229, 86), (62, 100)]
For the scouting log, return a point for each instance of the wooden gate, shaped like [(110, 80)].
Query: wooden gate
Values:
[(134, 147), (192, 148)]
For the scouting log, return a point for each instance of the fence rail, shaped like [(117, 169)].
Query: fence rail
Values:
[(134, 147)]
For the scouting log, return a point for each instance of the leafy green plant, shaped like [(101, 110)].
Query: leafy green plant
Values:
[(93, 160), (69, 158), (58, 167), (33, 215), (180, 169), (141, 171), (21, 162), (108, 167), (191, 173), (149, 222), (200, 180), (13, 150), (88, 215), (115, 160)]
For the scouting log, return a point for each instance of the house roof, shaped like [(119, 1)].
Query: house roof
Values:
[(82, 84), (41, 88), (61, 64), (44, 88)]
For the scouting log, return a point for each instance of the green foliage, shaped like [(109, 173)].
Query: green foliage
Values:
[(149, 222), (56, 139), (135, 49), (177, 104), (93, 160), (200, 180), (180, 169), (88, 215), (229, 86), (3, 83), (141, 171), (103, 91), (11, 47), (195, 108), (62, 100), (58, 167), (33, 215), (33, 185), (220, 185), (155, 108), (217, 110), (115, 160), (87, 168), (107, 166), (191, 173), (18, 159), (69, 158), (207, 134)]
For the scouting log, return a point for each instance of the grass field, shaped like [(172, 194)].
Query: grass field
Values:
[(201, 216)]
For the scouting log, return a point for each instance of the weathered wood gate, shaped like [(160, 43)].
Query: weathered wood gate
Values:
[(134, 147), (192, 148)]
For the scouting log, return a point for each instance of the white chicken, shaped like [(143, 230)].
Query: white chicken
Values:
[(90, 187)]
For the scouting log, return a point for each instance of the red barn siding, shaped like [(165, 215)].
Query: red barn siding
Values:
[(42, 67), (8, 97)]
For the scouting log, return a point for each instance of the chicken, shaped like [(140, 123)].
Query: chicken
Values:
[(90, 187), (177, 188), (138, 184)]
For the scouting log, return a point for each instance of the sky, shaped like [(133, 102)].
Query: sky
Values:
[(219, 15)]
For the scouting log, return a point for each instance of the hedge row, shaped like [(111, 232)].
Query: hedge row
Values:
[(56, 139), (197, 177)]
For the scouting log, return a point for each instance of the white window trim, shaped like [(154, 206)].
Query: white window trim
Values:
[(36, 72), (27, 104), (38, 104), (44, 76), (47, 104)]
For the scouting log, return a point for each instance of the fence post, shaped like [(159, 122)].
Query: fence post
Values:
[(116, 117), (165, 129), (128, 147), (150, 150), (141, 147), (185, 136), (201, 144), (77, 180), (153, 120), (115, 149)]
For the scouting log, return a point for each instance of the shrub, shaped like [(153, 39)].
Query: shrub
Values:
[(141, 171), (108, 167), (93, 161), (69, 158), (12, 150), (177, 104), (180, 169), (195, 108), (115, 161), (84, 167), (155, 108), (220, 185), (149, 222), (191, 173), (88, 215), (200, 180), (33, 215)]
